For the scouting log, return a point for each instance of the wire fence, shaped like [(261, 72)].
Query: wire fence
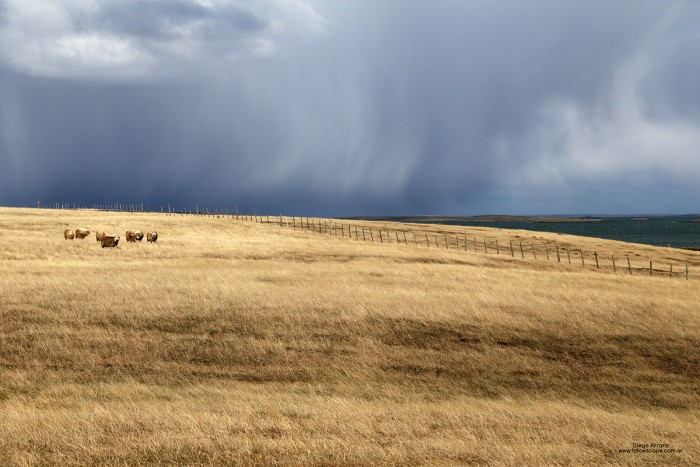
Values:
[(545, 250), (410, 235)]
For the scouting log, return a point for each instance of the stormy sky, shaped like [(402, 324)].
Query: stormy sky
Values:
[(353, 107)]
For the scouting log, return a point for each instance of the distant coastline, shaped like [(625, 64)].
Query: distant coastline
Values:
[(679, 231), (489, 218)]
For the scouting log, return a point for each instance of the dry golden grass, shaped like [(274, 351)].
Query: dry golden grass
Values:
[(244, 343)]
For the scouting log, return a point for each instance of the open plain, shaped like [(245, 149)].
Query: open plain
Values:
[(235, 342)]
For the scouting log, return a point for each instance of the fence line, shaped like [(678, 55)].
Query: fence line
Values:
[(339, 230), (335, 228)]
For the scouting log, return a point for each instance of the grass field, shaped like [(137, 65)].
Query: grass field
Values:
[(245, 343)]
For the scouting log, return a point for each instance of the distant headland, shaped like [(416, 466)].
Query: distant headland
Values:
[(488, 218)]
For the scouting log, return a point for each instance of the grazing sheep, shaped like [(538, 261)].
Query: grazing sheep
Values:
[(130, 236), (81, 233), (109, 242), (99, 235), (68, 234), (139, 235), (152, 236)]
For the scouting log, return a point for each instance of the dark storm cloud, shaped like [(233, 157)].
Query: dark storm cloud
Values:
[(166, 19), (348, 108), (668, 87)]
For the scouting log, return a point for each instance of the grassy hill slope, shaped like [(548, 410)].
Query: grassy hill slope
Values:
[(237, 342)]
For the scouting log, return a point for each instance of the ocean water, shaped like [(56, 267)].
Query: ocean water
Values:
[(675, 231)]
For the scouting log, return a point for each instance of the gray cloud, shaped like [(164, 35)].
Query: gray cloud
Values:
[(139, 41), (348, 108), (163, 20)]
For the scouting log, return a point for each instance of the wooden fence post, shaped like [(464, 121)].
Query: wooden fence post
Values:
[(397, 238), (522, 252), (485, 250), (356, 236), (613, 260), (651, 268), (546, 250), (556, 244), (534, 253), (404, 238), (414, 239), (370, 235), (427, 242), (511, 248), (446, 247), (364, 239), (498, 250), (596, 259), (629, 265), (686, 270), (388, 235), (568, 255), (583, 262), (670, 271)]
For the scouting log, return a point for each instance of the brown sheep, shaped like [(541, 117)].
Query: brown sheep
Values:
[(68, 234), (99, 235), (139, 235), (81, 233), (109, 242), (130, 236), (152, 236)]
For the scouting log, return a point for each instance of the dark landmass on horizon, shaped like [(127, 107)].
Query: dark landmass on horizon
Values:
[(486, 218), (532, 219)]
